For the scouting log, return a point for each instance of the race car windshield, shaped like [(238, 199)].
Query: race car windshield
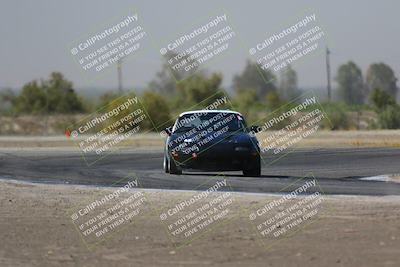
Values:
[(231, 122)]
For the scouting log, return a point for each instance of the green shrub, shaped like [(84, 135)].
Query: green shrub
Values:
[(337, 117), (389, 118), (158, 110)]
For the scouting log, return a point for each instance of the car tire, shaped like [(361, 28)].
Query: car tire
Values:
[(173, 169), (255, 170), (166, 164)]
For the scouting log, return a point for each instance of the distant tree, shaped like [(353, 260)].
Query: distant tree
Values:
[(61, 97), (389, 118), (387, 109), (288, 84), (166, 79), (32, 99), (164, 82), (273, 100), (263, 81), (380, 75), (70, 103), (199, 89), (351, 87), (381, 99), (54, 95), (7, 101), (107, 98), (151, 104), (245, 101)]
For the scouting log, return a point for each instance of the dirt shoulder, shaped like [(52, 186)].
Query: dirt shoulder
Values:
[(36, 229)]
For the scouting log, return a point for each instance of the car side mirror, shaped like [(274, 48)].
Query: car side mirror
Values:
[(255, 129)]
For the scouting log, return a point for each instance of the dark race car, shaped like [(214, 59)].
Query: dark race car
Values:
[(212, 140)]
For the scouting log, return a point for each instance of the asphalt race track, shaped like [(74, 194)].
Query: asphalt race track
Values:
[(338, 171)]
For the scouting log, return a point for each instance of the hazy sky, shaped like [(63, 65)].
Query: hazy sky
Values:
[(35, 35)]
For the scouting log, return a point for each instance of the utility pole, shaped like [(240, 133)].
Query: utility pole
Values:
[(119, 70), (328, 73)]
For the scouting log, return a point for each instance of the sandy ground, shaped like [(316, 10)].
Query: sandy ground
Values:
[(36, 229), (323, 139)]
